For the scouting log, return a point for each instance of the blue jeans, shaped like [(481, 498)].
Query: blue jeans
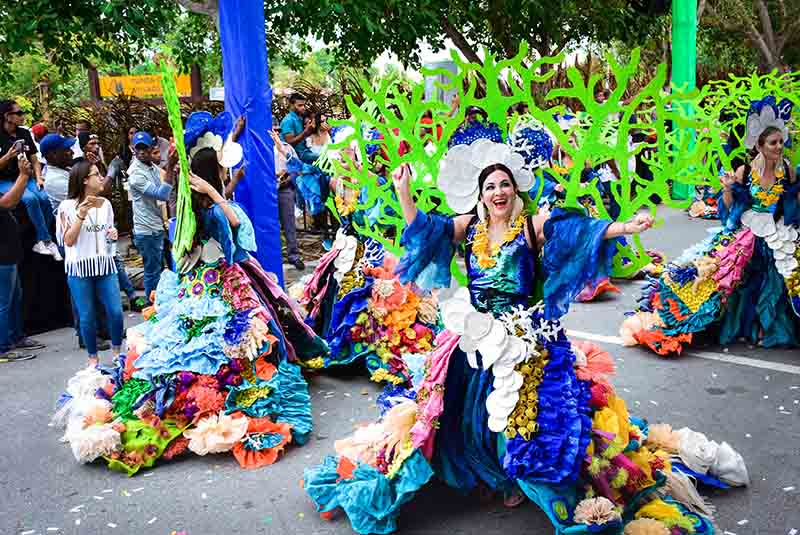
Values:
[(38, 206), (10, 307), (85, 292), (151, 247), (122, 276)]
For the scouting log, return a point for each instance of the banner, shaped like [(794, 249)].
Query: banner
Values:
[(143, 86)]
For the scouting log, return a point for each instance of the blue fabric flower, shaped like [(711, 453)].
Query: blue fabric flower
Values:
[(201, 122), (471, 132)]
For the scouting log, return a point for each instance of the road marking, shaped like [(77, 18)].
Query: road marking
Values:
[(708, 355)]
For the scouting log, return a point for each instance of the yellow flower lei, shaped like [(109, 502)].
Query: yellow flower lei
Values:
[(485, 251), (773, 194)]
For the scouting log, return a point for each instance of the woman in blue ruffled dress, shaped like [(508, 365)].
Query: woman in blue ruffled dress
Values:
[(355, 301), (742, 283), (507, 403), (214, 367)]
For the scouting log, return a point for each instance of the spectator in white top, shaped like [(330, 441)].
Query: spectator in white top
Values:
[(85, 227)]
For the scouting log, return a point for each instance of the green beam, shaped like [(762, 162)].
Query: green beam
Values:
[(684, 62)]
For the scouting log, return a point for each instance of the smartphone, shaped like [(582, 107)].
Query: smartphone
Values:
[(19, 145)]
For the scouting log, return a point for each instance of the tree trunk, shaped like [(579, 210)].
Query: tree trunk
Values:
[(469, 52)]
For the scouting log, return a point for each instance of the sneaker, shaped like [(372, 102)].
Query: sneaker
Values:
[(299, 265), (13, 356), (53, 248), (29, 344), (41, 248), (137, 304)]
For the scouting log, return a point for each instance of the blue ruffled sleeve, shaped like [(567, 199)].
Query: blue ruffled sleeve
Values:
[(575, 253), (731, 216), (791, 206), (429, 250), (236, 243)]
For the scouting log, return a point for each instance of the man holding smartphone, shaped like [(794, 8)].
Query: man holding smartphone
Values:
[(16, 143)]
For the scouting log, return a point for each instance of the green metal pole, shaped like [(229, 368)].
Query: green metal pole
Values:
[(684, 63)]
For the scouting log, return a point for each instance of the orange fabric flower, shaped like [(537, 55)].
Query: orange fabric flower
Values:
[(264, 370), (598, 366), (251, 459)]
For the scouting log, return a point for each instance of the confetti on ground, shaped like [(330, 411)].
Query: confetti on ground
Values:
[(785, 412), (766, 397), (728, 533), (77, 508), (637, 402), (347, 394), (792, 532), (626, 389), (781, 408), (654, 402), (204, 496), (152, 520), (111, 525), (788, 489), (794, 387), (52, 529), (725, 350), (29, 532), (107, 491), (745, 521), (148, 474), (98, 498), (77, 521), (323, 413), (137, 489), (766, 377), (268, 520), (364, 392), (125, 493), (797, 402), (748, 435), (301, 515)]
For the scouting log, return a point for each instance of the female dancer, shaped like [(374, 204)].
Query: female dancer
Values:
[(213, 367), (741, 283), (507, 402)]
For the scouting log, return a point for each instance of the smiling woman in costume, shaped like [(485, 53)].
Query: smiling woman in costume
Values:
[(742, 282), (507, 402), (213, 368)]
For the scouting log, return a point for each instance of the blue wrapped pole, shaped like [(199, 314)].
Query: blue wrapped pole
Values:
[(248, 93)]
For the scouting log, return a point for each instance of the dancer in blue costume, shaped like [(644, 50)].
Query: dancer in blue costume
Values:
[(507, 402), (354, 300), (742, 282), (214, 367)]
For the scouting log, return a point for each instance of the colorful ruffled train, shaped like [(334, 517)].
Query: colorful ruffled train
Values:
[(741, 283), (213, 369), (356, 302)]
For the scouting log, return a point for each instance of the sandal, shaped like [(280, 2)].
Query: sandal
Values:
[(514, 500)]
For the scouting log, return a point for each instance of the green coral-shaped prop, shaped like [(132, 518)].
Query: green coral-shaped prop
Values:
[(186, 225)]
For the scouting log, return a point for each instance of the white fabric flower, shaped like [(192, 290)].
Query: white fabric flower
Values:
[(597, 511), (459, 171), (696, 451), (757, 123), (216, 433)]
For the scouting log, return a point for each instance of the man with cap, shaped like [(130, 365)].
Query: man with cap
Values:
[(57, 150), (147, 189)]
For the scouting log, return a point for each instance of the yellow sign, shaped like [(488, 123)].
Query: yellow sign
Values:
[(146, 85)]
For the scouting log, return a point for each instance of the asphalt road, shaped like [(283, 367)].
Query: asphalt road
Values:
[(753, 403)]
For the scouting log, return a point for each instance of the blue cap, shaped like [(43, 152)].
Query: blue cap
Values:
[(142, 138), (52, 142)]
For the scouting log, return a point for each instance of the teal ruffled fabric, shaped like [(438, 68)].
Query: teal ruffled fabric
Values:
[(295, 402), (429, 250), (371, 501)]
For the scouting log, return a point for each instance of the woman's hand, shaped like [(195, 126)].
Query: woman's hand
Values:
[(113, 234), (728, 180), (639, 223), (199, 185), (83, 208), (401, 177)]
